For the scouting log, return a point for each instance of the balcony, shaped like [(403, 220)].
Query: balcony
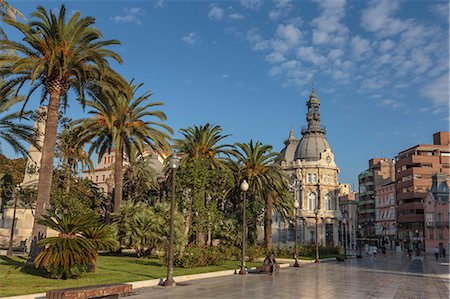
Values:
[(415, 170), (410, 194), (417, 159), (410, 206), (411, 218)]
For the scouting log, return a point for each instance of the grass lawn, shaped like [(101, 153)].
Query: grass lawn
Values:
[(17, 280)]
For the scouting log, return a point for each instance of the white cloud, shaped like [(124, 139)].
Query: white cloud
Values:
[(289, 33), (191, 38), (282, 9), (251, 4), (275, 57), (378, 18), (159, 4), (130, 15), (441, 10), (386, 45), (335, 53), (360, 46), (216, 13), (328, 28), (308, 54), (437, 91), (236, 16), (394, 104), (224, 76)]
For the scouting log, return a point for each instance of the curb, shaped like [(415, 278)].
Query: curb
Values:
[(155, 282)]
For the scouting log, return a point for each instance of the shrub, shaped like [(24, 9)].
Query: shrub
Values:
[(195, 256), (255, 251)]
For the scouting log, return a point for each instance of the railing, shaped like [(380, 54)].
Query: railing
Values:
[(321, 129)]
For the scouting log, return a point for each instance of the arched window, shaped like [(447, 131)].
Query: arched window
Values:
[(312, 201), (328, 202)]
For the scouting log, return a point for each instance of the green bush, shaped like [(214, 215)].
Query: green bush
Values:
[(195, 256), (255, 251)]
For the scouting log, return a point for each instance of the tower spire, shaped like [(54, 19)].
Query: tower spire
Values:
[(313, 114)]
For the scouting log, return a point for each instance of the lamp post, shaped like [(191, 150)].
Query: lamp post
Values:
[(296, 205), (174, 163), (316, 212), (13, 224), (244, 188)]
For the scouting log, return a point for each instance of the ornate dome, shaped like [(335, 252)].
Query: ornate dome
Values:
[(311, 146), (313, 142)]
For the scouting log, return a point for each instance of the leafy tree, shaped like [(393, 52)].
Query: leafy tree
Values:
[(13, 167), (257, 164), (56, 55), (203, 155), (69, 254), (121, 122)]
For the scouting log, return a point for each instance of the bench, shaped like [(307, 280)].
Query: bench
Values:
[(269, 266), (96, 291)]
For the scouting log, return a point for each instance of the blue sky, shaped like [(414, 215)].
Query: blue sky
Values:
[(381, 68)]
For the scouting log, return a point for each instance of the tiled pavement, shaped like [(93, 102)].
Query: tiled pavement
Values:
[(390, 276)]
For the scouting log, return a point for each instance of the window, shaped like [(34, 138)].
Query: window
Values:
[(103, 178), (312, 201), (309, 178), (328, 202), (96, 178), (314, 178), (105, 160)]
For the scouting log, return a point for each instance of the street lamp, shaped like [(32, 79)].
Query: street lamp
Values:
[(174, 163), (316, 212), (244, 188), (296, 205)]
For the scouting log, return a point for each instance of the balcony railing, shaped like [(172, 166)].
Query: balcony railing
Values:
[(437, 224)]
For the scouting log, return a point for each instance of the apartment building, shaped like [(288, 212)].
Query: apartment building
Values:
[(414, 168)]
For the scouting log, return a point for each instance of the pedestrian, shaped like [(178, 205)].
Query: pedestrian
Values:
[(409, 253), (436, 252), (443, 252), (383, 250)]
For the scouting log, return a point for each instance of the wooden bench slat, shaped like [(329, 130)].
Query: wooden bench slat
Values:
[(90, 291)]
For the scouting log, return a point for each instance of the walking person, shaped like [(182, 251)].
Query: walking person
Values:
[(436, 252), (443, 252)]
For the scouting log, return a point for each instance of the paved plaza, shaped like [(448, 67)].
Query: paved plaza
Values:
[(390, 276)]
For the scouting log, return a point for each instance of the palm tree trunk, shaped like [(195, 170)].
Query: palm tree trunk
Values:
[(45, 171), (118, 177), (268, 222)]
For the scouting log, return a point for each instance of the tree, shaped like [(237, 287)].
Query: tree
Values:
[(71, 154), (13, 167), (8, 11), (102, 238), (69, 254), (12, 130), (139, 176), (257, 164), (121, 121), (55, 55), (202, 153)]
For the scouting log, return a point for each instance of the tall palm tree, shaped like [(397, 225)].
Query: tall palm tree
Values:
[(121, 121), (56, 55), (257, 164), (12, 130), (72, 154), (201, 142), (8, 11)]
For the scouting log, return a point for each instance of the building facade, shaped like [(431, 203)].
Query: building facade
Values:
[(386, 214), (348, 204), (414, 169), (380, 172), (310, 164), (437, 214)]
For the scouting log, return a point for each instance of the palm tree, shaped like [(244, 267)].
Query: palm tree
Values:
[(56, 55), (102, 237), (200, 142), (8, 11), (69, 253), (72, 154), (12, 130), (257, 164), (139, 176), (121, 123)]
